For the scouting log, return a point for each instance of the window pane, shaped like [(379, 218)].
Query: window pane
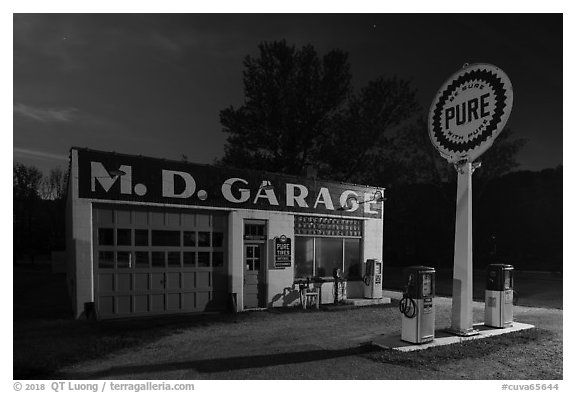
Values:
[(328, 256), (217, 259), (217, 239), (352, 265), (166, 238), (203, 259), (141, 237), (203, 239), (189, 239), (142, 259), (158, 259), (174, 258), (123, 259), (106, 260), (106, 236), (190, 259), (124, 237), (304, 257)]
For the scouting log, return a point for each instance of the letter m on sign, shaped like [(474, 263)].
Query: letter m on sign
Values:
[(99, 174)]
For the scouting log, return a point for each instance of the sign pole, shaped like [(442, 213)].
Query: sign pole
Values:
[(466, 116), (462, 276)]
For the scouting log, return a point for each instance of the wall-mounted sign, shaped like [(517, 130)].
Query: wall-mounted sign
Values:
[(282, 252), (325, 226), (113, 176), (469, 112)]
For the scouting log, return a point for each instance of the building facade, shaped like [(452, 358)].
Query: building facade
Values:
[(150, 236)]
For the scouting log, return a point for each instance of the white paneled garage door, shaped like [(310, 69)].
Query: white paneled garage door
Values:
[(158, 261)]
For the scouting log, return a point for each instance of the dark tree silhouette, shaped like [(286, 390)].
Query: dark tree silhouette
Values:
[(300, 111), (53, 186), (410, 148), (26, 182)]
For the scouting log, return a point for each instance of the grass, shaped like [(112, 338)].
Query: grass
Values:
[(500, 351)]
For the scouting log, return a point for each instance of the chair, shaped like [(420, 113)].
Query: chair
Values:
[(308, 295)]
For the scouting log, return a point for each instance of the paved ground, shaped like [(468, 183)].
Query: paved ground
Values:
[(325, 344)]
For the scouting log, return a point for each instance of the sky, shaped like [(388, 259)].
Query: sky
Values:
[(154, 84)]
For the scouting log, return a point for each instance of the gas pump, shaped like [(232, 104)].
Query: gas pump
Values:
[(417, 305), (339, 286), (498, 305), (373, 279)]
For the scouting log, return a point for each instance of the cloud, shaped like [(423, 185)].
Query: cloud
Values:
[(38, 154), (45, 115)]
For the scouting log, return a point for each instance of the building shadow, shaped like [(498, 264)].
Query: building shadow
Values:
[(207, 366)]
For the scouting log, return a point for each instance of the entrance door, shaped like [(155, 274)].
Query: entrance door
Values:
[(254, 270)]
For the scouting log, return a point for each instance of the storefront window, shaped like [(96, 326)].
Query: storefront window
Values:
[(319, 256), (352, 259), (304, 253), (328, 256)]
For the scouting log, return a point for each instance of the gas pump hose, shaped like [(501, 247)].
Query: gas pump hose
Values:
[(407, 307)]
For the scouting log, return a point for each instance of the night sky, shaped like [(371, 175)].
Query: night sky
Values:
[(154, 84)]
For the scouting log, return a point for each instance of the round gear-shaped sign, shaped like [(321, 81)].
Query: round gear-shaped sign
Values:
[(469, 112)]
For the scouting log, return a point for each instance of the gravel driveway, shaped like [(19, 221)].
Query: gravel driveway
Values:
[(331, 343)]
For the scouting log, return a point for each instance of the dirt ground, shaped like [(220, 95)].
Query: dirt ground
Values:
[(330, 344)]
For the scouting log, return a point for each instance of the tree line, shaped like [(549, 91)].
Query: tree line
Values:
[(39, 211)]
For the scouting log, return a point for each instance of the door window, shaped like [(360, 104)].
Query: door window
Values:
[(252, 257)]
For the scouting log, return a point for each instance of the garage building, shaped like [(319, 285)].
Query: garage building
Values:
[(150, 236)]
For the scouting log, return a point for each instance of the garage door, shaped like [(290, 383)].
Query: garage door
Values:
[(158, 261)]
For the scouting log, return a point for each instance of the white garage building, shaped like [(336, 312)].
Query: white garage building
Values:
[(151, 236)]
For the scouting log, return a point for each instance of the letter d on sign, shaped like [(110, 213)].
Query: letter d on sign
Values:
[(168, 184)]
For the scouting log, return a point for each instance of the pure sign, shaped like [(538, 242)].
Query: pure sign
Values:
[(469, 112), (283, 252)]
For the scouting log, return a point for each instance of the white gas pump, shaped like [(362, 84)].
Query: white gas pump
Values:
[(499, 295), (373, 279), (417, 305)]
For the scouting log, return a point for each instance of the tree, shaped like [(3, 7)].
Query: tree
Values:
[(300, 111), (355, 148), (414, 154), (26, 181), (53, 186)]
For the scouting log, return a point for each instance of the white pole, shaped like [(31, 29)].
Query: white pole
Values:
[(462, 281)]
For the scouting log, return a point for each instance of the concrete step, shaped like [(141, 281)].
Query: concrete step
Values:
[(358, 302)]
